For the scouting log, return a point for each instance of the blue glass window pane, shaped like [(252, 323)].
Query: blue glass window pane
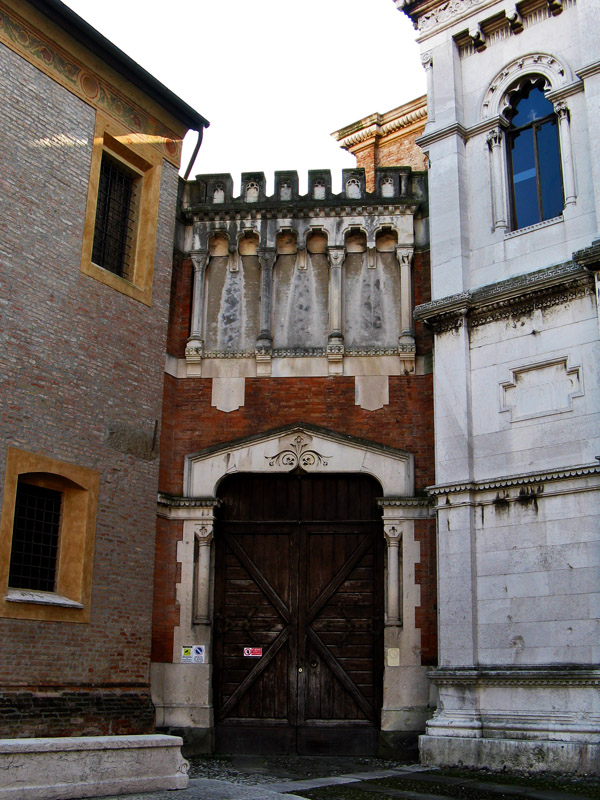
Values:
[(524, 180), (535, 106), (550, 172)]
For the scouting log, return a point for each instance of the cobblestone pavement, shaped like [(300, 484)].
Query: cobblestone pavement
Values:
[(345, 778)]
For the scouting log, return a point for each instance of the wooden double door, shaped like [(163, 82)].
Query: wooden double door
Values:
[(298, 615)]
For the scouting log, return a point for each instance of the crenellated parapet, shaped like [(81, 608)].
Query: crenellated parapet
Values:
[(214, 193)]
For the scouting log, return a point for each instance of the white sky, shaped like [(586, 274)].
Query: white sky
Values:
[(274, 77)]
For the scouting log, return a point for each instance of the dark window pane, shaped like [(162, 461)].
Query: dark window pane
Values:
[(35, 538), (550, 171), (114, 219), (533, 105), (524, 176)]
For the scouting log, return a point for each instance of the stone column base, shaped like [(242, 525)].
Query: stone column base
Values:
[(519, 755)]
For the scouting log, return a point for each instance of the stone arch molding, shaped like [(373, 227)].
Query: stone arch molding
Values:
[(556, 73), (308, 447)]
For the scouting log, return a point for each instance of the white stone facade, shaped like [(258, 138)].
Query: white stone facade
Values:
[(517, 396)]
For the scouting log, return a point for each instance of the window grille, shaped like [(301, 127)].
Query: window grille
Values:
[(113, 231), (35, 538)]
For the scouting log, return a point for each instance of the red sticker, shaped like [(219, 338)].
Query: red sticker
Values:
[(253, 652)]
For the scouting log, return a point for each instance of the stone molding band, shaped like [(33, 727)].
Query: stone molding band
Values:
[(516, 480), (501, 300), (516, 676)]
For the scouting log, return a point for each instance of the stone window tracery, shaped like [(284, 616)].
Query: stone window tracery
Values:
[(319, 190), (252, 190), (285, 190), (219, 194), (387, 187), (353, 188)]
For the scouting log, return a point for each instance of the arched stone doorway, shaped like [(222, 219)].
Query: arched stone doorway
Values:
[(182, 691), (298, 614)]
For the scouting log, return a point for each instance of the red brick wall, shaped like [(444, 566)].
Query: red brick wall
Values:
[(426, 578), (191, 424), (398, 151), (78, 357)]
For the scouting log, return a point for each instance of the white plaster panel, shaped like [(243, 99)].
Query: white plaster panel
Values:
[(228, 394), (299, 367), (371, 391), (372, 365), (228, 368)]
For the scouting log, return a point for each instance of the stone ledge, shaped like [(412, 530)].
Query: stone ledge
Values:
[(90, 766), (510, 754)]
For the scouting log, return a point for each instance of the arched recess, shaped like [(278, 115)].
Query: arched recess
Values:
[(312, 450)]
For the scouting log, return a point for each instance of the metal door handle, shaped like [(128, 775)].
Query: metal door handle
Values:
[(299, 669)]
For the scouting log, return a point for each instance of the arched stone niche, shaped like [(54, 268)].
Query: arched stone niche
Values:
[(232, 292), (248, 244), (317, 241), (371, 291), (286, 243), (300, 293)]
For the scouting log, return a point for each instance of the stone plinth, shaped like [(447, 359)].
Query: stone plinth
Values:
[(90, 766)]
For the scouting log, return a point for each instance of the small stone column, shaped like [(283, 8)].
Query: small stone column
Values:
[(393, 537), (203, 535), (499, 209), (264, 343), (195, 344), (566, 151), (406, 341), (427, 62), (335, 343)]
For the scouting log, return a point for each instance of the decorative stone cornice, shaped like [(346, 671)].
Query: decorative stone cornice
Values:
[(88, 80), (455, 129), (176, 501), (516, 676), (589, 257), (518, 295), (350, 207), (382, 124), (589, 70), (403, 502), (508, 481)]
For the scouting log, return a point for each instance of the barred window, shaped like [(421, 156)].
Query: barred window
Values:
[(35, 540), (115, 217)]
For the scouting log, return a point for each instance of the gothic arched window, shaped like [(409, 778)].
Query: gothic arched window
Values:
[(533, 155)]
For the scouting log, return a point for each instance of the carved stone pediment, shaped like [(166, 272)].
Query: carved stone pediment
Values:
[(304, 447)]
